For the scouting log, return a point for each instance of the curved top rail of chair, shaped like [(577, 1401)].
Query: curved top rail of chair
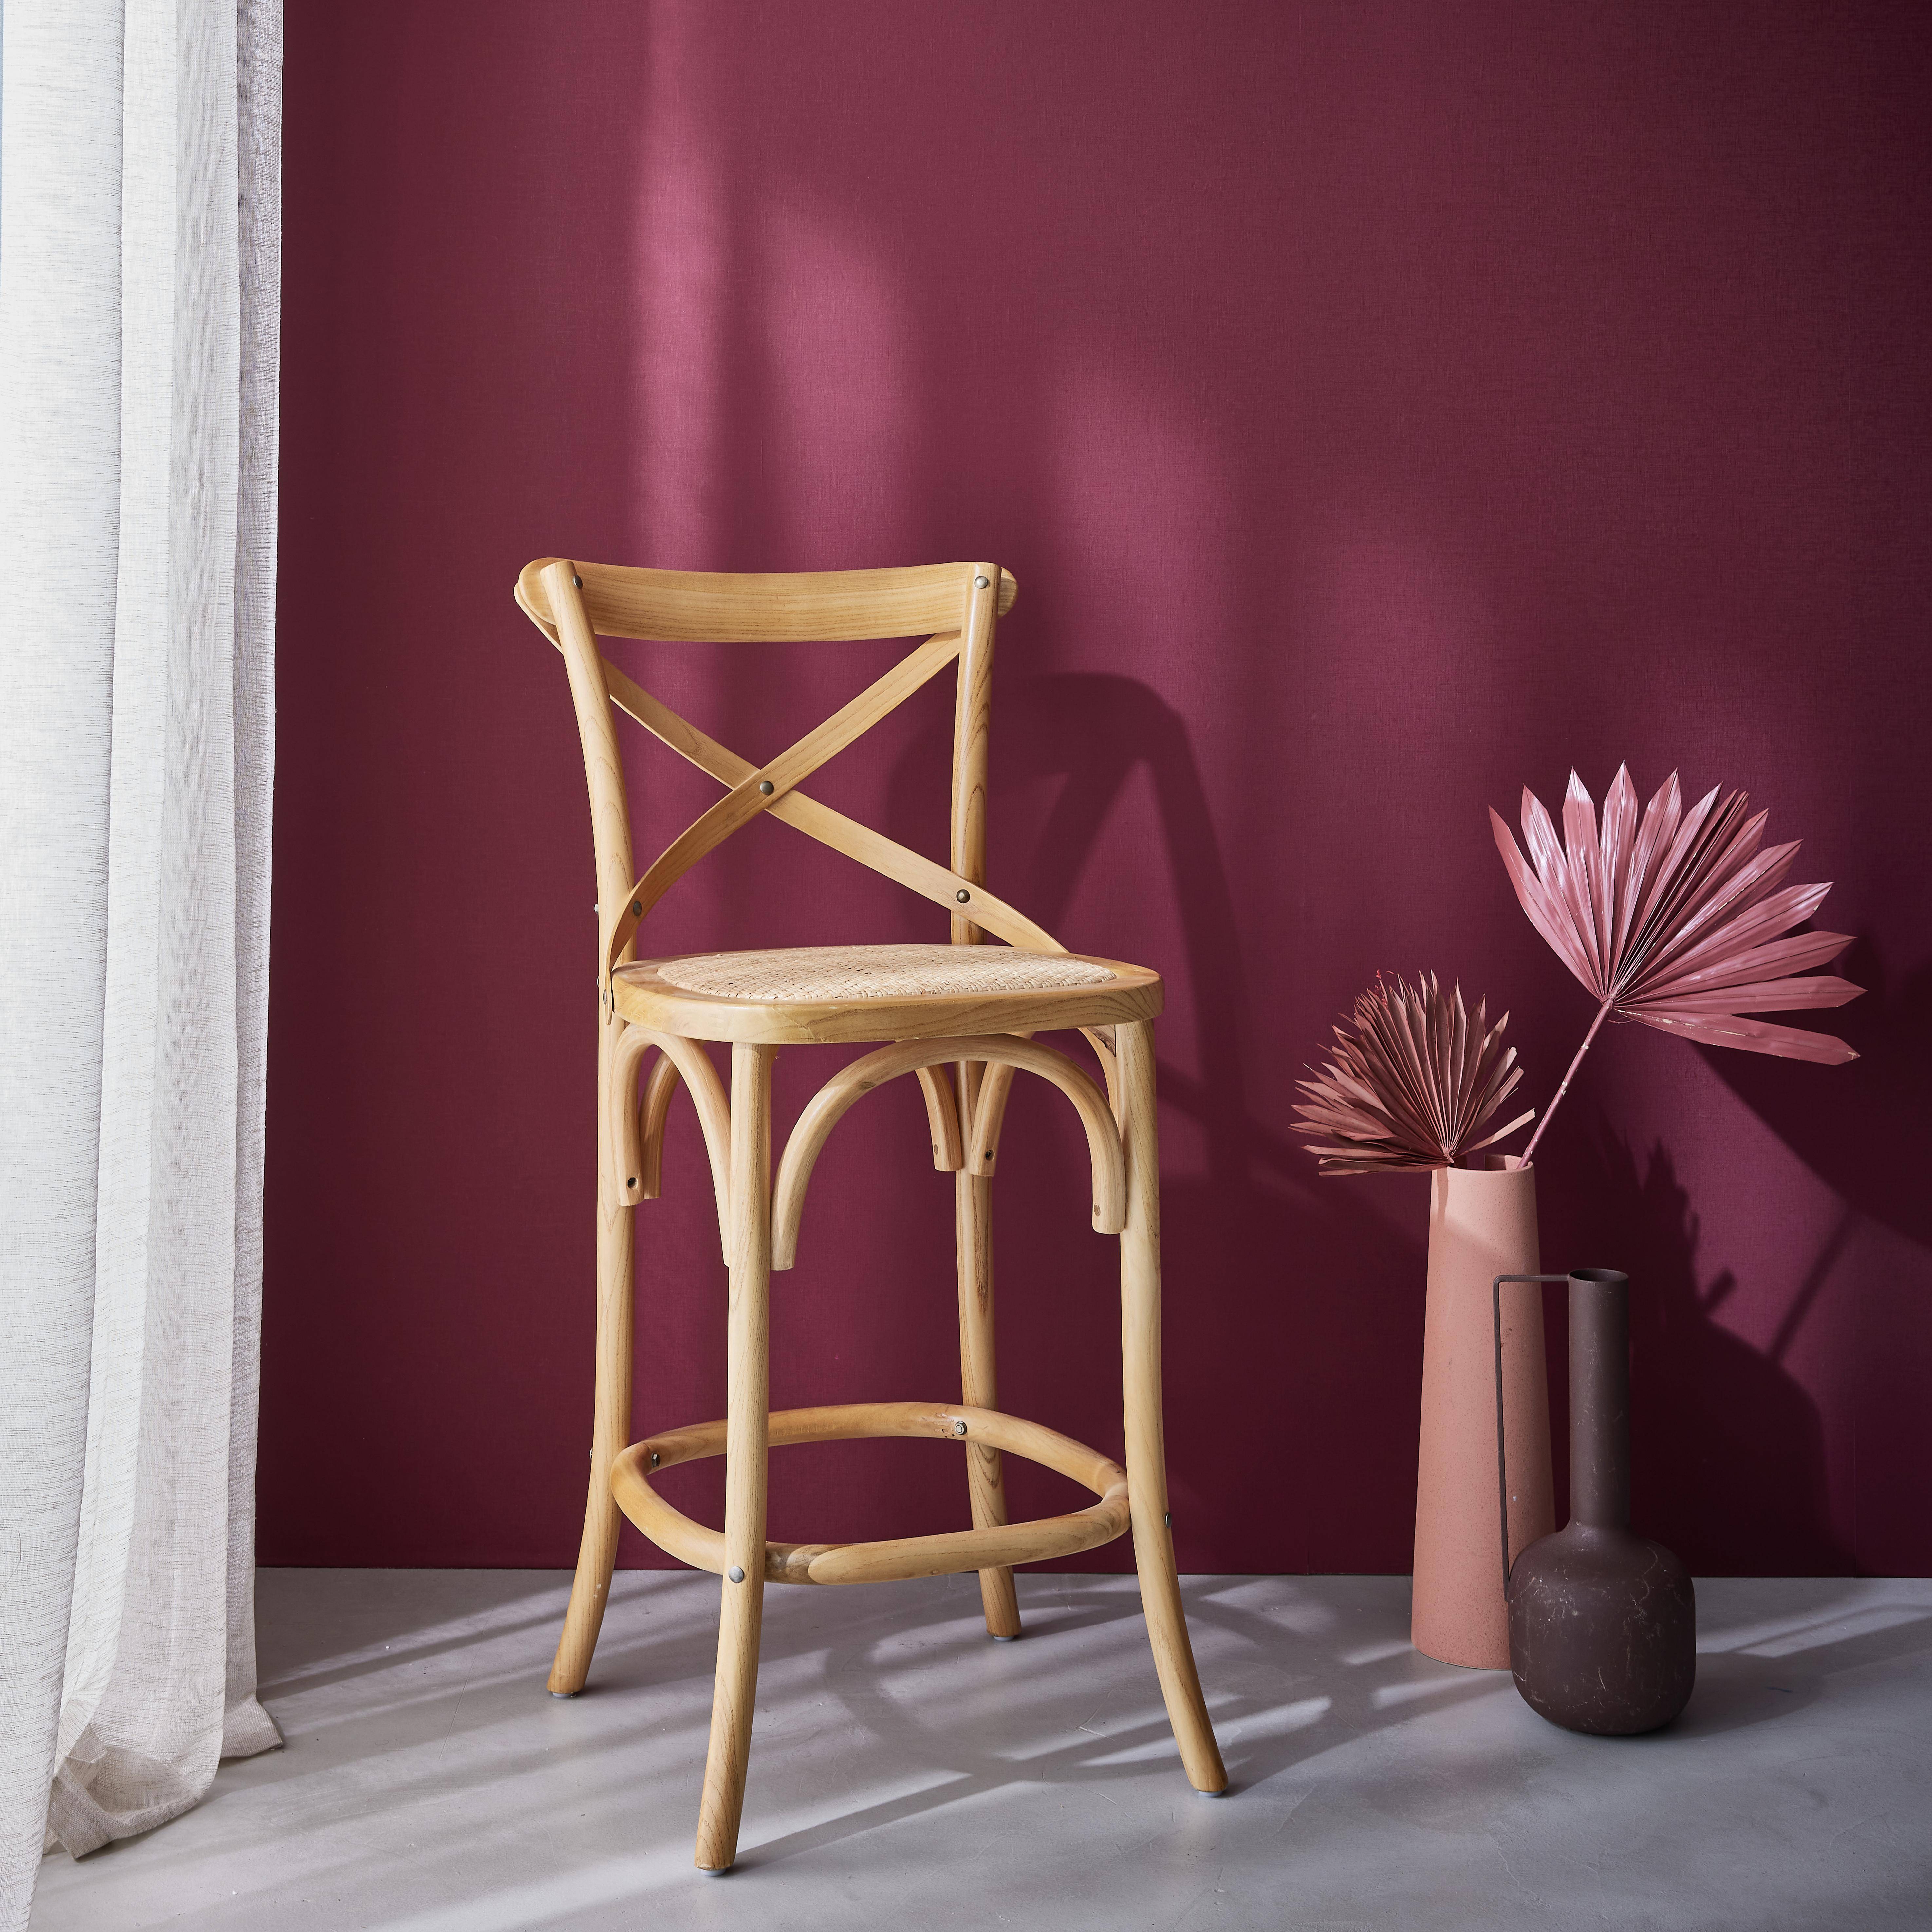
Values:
[(829, 1105), (806, 606)]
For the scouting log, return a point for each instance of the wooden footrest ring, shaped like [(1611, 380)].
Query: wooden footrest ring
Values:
[(992, 1548)]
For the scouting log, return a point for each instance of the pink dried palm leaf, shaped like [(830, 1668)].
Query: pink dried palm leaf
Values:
[(1411, 1085), (1678, 920)]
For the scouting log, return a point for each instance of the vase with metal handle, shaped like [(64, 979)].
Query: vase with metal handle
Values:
[(1603, 1622)]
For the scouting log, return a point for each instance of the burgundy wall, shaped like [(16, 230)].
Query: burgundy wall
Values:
[(1381, 406)]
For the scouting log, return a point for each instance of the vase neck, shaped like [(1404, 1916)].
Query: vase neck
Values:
[(1599, 1398)]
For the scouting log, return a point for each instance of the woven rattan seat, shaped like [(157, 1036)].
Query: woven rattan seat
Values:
[(877, 972)]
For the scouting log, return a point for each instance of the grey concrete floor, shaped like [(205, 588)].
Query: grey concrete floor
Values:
[(908, 1772)]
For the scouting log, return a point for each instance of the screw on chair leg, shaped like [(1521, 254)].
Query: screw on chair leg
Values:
[(747, 1426), (985, 1477), (1146, 1472)]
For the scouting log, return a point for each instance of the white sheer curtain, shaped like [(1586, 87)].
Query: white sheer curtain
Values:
[(140, 261)]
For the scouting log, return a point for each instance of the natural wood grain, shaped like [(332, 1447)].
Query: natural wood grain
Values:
[(979, 1387), (942, 1119), (603, 762), (986, 1036), (697, 607), (972, 729), (646, 1162), (1146, 1450), (623, 1124), (1101, 1039), (972, 1201), (989, 1110), (947, 1554), (993, 1088), (610, 1427), (638, 1128), (847, 1087), (746, 801), (859, 842), (610, 1414), (747, 1406)]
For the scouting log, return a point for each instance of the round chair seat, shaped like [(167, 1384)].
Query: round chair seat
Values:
[(793, 994), (878, 972)]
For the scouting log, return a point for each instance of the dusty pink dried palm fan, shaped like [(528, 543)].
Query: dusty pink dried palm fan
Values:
[(1681, 922), (1412, 1085)]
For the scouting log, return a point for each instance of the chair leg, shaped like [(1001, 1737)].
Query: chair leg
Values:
[(747, 1406), (611, 1429), (985, 1478), (1147, 1461)]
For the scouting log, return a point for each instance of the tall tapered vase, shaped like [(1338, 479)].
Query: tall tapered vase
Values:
[(1482, 1223)]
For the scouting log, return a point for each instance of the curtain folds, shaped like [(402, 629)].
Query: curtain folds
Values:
[(139, 265)]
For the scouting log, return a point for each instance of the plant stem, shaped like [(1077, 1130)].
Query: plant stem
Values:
[(1603, 1013)]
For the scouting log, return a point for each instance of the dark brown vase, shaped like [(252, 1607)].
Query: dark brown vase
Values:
[(1603, 1622)]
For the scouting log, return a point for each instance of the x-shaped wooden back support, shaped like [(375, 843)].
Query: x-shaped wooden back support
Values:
[(561, 598)]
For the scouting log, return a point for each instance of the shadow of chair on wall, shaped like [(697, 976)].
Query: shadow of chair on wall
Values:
[(1283, 1289)]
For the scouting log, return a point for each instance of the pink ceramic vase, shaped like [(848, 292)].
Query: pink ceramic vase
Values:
[(1482, 1223)]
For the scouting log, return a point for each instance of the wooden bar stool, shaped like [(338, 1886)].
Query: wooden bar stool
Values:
[(967, 1007)]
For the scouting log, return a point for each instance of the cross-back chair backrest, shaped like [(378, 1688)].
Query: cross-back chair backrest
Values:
[(958, 604)]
